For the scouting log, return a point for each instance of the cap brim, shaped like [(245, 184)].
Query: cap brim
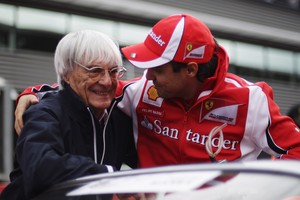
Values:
[(140, 56)]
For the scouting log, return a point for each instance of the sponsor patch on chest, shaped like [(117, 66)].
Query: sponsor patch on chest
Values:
[(150, 96), (215, 110)]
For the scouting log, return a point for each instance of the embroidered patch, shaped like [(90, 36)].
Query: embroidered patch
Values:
[(150, 111), (209, 104), (145, 123), (225, 114), (192, 52), (150, 95)]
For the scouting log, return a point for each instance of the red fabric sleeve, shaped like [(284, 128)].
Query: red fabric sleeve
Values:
[(36, 89)]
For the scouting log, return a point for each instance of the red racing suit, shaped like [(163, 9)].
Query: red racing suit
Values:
[(166, 134)]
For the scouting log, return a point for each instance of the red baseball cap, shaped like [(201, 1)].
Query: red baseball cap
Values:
[(181, 38)]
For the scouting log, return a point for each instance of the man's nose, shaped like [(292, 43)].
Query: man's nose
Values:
[(149, 74), (106, 78)]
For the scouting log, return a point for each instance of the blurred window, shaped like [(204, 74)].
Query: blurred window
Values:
[(37, 41), (34, 19), (280, 60), (80, 22), (7, 14), (249, 55)]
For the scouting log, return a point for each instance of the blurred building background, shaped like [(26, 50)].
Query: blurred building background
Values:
[(262, 38)]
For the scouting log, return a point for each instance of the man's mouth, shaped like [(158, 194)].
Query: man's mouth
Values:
[(100, 92)]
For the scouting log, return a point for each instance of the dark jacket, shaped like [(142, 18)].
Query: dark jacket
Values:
[(57, 144)]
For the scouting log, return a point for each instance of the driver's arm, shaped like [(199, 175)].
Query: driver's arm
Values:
[(30, 96)]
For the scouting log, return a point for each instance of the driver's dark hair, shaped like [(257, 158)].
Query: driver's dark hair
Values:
[(205, 70)]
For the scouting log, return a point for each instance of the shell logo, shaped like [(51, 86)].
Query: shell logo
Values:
[(152, 93)]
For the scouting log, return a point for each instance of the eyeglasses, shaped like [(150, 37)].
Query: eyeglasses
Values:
[(96, 71)]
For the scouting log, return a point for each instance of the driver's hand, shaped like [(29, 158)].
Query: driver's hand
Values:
[(24, 102)]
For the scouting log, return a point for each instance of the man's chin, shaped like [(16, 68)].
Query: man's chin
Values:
[(162, 94), (101, 102), (101, 107)]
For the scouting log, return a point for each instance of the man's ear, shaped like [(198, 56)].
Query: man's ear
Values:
[(67, 78), (192, 69)]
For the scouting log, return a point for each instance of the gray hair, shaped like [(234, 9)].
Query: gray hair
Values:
[(85, 47)]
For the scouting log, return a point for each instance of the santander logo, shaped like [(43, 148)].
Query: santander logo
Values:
[(156, 38)]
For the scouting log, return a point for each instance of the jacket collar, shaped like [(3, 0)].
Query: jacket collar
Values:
[(212, 84), (74, 105)]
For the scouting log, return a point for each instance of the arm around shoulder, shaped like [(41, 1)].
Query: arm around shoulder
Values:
[(26, 98)]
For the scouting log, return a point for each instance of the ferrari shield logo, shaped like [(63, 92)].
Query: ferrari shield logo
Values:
[(209, 104)]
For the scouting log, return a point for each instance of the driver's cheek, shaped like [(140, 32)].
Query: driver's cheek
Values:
[(150, 75)]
